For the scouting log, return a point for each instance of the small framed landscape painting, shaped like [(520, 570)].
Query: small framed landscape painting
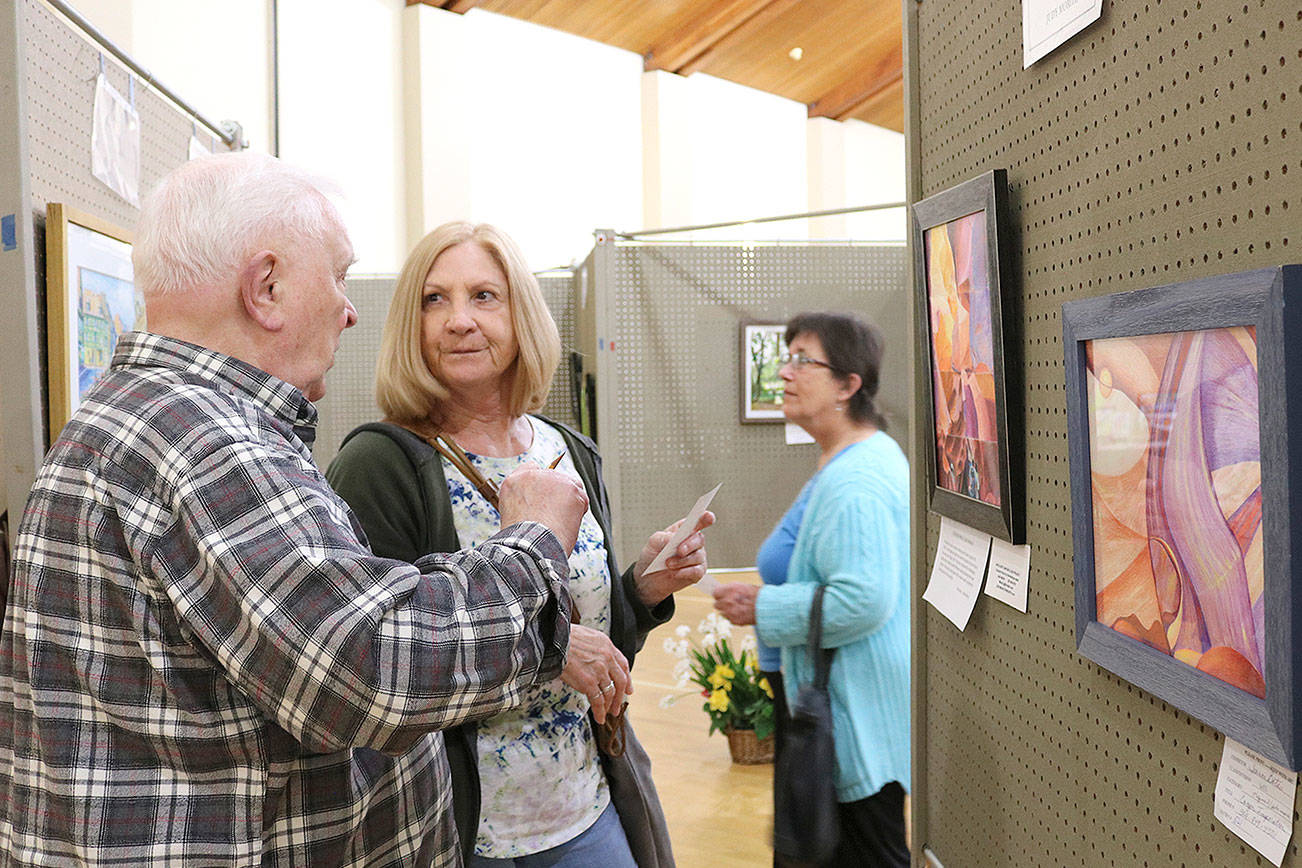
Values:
[(761, 352), (1182, 403)]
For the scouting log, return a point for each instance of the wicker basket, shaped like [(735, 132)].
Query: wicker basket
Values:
[(748, 750)]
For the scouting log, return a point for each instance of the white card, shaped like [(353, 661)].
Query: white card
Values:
[(684, 530), (707, 584), (1254, 799), (956, 575), (796, 435), (1010, 573), (1046, 24)]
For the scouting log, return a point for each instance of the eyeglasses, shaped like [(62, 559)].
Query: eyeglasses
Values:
[(800, 360)]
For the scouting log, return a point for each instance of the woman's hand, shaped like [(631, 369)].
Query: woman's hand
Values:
[(686, 566), (597, 669), (736, 602)]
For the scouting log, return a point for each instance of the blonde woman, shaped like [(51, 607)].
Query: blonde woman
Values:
[(467, 356)]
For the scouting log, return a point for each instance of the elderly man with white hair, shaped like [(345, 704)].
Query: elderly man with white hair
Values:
[(202, 663)]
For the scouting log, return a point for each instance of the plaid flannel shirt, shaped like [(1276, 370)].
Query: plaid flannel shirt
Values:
[(202, 663)]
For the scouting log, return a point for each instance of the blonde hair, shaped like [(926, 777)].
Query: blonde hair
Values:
[(405, 388)]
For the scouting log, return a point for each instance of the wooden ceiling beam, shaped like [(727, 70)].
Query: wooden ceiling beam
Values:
[(714, 24), (850, 95), (743, 31), (461, 7)]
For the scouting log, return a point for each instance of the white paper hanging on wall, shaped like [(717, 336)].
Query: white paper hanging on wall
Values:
[(1254, 799), (956, 574), (197, 148), (115, 142), (1046, 24), (796, 435), (1009, 576)]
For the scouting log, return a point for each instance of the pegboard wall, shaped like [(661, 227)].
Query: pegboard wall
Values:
[(558, 289), (1159, 145), (674, 429), (58, 68), (350, 385)]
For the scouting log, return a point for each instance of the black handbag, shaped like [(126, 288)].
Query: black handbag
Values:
[(805, 823)]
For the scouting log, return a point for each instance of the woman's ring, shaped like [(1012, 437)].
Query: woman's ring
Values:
[(610, 685)]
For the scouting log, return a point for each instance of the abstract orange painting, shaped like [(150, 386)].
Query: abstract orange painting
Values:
[(1175, 472), (962, 358)]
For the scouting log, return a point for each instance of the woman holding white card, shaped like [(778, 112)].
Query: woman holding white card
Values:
[(848, 530), (467, 355)]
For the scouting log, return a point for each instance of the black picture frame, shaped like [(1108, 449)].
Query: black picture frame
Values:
[(1271, 301), (985, 194)]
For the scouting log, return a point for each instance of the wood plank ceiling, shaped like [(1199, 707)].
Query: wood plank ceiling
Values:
[(841, 58)]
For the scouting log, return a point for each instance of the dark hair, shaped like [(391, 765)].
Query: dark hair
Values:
[(853, 346)]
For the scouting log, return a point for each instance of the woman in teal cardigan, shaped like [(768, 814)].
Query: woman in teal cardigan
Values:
[(848, 530)]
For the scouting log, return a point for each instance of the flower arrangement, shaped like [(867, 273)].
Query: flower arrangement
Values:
[(736, 696)]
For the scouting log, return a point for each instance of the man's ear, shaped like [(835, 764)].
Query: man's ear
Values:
[(261, 295)]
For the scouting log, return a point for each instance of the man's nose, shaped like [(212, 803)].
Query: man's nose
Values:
[(350, 314)]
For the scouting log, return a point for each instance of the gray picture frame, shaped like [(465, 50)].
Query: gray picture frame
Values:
[(1270, 300)]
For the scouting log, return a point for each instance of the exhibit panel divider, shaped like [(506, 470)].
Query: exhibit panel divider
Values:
[(48, 115), (661, 329), (1157, 146)]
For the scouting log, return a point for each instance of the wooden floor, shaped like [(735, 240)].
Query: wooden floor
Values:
[(720, 815)]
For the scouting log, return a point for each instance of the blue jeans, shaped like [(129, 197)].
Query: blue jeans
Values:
[(603, 843)]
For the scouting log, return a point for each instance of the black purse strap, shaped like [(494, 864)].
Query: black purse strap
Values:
[(819, 657)]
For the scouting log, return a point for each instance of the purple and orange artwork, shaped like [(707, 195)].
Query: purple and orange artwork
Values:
[(962, 358), (1175, 473)]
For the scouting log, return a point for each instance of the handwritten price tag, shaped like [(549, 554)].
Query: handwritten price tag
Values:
[(1254, 799)]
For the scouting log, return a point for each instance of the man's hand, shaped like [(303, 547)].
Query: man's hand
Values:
[(684, 567), (544, 496)]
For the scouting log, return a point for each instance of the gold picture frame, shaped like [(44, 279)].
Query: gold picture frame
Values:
[(91, 300)]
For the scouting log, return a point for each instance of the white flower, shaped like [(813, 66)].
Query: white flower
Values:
[(748, 642), (667, 700), (683, 631), (682, 673), (671, 645)]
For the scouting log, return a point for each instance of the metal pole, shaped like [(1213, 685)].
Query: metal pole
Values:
[(829, 213), (228, 131)]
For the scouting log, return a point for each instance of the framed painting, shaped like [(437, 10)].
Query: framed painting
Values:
[(1182, 403), (761, 352), (91, 300), (961, 258)]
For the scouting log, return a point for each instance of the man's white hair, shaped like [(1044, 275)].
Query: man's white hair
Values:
[(204, 219)]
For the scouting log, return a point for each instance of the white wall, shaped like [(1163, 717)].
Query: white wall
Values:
[(422, 116), (720, 151), (341, 86), (532, 129), (214, 55), (852, 163)]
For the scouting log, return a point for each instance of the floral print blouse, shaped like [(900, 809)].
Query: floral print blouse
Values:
[(540, 779)]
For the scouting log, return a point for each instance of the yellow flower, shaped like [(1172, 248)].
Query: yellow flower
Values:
[(719, 700), (766, 687), (753, 663), (721, 678)]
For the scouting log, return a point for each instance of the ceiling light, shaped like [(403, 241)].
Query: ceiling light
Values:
[(796, 53)]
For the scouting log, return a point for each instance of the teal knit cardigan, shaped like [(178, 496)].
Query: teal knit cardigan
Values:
[(855, 539)]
